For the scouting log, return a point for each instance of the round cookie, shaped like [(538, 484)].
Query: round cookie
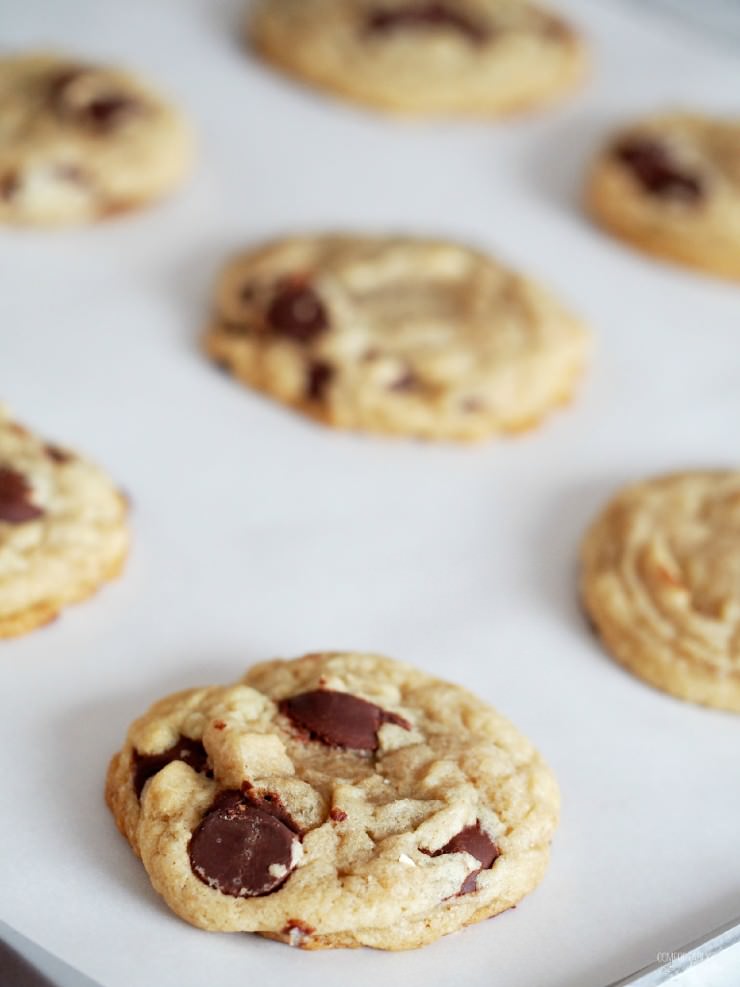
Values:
[(464, 57), (335, 800), (670, 185), (79, 142), (661, 582), (395, 335), (62, 529)]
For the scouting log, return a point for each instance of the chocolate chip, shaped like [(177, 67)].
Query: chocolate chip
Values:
[(337, 815), (478, 844), (320, 374), (100, 113), (57, 455), (339, 719), (192, 752), (15, 498), (240, 850), (297, 313), (10, 184), (110, 111), (652, 165), (427, 15)]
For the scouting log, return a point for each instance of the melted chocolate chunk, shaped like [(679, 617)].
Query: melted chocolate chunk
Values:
[(320, 374), (100, 113), (427, 15), (652, 165), (110, 111), (478, 844), (297, 313), (192, 752), (339, 719), (240, 850), (15, 498)]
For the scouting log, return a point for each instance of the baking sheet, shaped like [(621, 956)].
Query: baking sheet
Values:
[(259, 534)]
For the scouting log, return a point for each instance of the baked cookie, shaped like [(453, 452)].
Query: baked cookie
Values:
[(661, 581), (62, 529), (670, 185), (79, 142), (466, 57), (334, 800), (402, 335)]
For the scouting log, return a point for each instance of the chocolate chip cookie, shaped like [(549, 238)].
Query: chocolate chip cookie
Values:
[(62, 529), (395, 335), (661, 582), (670, 185), (466, 57), (334, 800), (79, 142)]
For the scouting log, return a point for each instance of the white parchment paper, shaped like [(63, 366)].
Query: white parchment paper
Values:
[(259, 534)]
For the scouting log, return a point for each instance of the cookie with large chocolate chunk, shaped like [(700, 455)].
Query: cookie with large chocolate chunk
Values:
[(661, 582), (458, 57), (339, 799), (394, 334), (670, 185), (62, 528), (80, 142)]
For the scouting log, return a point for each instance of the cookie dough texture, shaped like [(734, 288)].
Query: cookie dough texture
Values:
[(79, 142), (396, 335), (62, 529), (661, 581), (670, 185), (457, 57), (377, 833)]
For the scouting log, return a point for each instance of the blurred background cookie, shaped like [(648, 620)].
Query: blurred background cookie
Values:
[(478, 57), (394, 334), (670, 185), (79, 142), (661, 582), (63, 529)]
